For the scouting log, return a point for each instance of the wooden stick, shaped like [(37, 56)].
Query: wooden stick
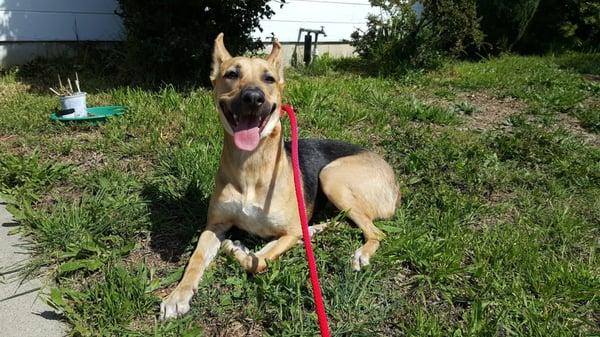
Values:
[(77, 82), (60, 83), (70, 86), (54, 91)]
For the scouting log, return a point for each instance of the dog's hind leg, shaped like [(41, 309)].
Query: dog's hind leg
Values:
[(257, 262), (365, 186)]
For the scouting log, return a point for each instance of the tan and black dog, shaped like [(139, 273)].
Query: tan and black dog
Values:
[(254, 185)]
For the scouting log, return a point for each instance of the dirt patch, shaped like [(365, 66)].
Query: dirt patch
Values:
[(86, 160), (7, 138), (235, 328), (149, 257), (493, 218), (572, 124), (141, 166), (591, 77), (488, 111), (58, 192), (492, 111)]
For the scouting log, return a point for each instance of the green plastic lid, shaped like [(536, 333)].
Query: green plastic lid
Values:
[(95, 114)]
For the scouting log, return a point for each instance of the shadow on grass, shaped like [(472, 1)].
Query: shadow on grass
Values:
[(99, 70), (586, 64), (325, 64), (176, 222), (94, 65)]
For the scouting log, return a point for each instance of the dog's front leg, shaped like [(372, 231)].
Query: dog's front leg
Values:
[(178, 302), (257, 262)]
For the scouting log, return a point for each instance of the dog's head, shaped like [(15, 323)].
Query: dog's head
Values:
[(247, 93)]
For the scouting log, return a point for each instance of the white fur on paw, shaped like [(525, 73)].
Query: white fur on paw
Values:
[(237, 245), (360, 260), (233, 247), (176, 304), (316, 229), (312, 230)]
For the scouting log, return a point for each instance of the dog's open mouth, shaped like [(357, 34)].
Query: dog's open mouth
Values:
[(247, 127)]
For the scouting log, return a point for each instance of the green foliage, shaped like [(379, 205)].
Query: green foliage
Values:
[(534, 26), (466, 108), (400, 38), (497, 233), (505, 21), (454, 26), (326, 65), (557, 25), (533, 79), (86, 232), (589, 117), (508, 287), (416, 110), (583, 63), (120, 296), (167, 40), (24, 178)]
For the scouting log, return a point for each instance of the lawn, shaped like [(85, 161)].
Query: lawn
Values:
[(498, 232)]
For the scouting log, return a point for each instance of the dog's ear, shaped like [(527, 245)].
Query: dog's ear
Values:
[(275, 58), (220, 55)]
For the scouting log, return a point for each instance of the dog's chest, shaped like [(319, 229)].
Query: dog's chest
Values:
[(252, 214)]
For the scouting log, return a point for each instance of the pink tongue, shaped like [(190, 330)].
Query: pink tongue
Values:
[(247, 135)]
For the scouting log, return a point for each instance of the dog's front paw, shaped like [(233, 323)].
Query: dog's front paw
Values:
[(176, 304), (360, 260), (234, 247), (254, 264)]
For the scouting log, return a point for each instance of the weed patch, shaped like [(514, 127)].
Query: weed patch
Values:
[(497, 233)]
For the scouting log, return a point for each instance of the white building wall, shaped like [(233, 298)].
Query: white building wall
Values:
[(59, 20), (95, 20), (339, 18), (30, 28)]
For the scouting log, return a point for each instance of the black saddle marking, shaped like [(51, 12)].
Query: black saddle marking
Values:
[(314, 155)]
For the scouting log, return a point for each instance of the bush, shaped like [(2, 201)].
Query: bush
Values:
[(535, 26), (505, 21), (401, 38), (560, 24), (173, 40)]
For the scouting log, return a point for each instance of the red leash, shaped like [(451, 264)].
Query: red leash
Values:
[(312, 265)]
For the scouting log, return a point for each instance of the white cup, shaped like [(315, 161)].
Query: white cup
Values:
[(76, 102)]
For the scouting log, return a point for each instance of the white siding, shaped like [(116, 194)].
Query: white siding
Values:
[(59, 20), (338, 17), (94, 20)]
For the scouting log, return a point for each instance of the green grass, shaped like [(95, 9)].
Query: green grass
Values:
[(497, 233), (536, 80)]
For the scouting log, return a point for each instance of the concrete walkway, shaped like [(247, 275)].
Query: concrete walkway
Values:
[(22, 313)]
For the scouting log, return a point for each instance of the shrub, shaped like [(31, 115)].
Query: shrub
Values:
[(505, 21), (173, 40), (560, 24), (535, 26), (401, 38)]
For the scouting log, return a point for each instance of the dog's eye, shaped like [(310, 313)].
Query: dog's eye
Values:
[(232, 75), (269, 79)]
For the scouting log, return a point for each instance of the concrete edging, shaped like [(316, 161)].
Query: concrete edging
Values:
[(22, 313)]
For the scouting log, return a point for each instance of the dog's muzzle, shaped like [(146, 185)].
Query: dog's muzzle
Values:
[(247, 115)]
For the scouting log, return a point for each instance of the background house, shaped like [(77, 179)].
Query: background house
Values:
[(30, 28)]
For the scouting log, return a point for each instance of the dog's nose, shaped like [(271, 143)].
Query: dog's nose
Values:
[(253, 97)]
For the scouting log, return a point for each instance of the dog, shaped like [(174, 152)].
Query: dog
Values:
[(254, 184)]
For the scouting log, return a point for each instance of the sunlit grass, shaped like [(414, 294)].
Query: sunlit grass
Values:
[(497, 233)]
